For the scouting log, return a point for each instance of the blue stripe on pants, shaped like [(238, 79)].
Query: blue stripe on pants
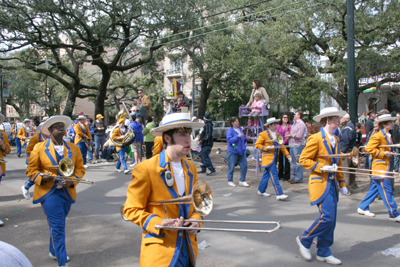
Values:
[(122, 158), (56, 208), (270, 171), (384, 188), (324, 226), (184, 257), (83, 149)]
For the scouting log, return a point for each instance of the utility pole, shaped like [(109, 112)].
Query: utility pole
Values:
[(351, 68)]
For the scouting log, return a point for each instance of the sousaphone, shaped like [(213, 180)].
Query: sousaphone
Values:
[(129, 135)]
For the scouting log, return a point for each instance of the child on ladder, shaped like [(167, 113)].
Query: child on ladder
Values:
[(256, 109)]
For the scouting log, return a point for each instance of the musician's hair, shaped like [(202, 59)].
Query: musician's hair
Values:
[(171, 132), (324, 121), (383, 124)]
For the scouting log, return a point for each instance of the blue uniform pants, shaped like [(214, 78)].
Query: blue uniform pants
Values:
[(18, 144), (384, 188), (83, 149), (242, 161), (270, 172), (184, 257), (122, 159), (56, 208), (324, 226)]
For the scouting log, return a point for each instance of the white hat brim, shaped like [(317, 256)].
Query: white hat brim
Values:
[(2, 118), (158, 131), (268, 123), (339, 113), (387, 119), (60, 118)]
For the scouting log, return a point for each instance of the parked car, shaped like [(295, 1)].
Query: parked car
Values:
[(220, 129)]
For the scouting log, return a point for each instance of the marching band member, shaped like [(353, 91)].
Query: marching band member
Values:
[(4, 149), (15, 129), (269, 152), (82, 132), (323, 185), (381, 162), (165, 176), (118, 135), (37, 138), (24, 133), (55, 196)]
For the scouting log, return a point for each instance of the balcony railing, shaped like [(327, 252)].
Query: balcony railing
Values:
[(175, 73)]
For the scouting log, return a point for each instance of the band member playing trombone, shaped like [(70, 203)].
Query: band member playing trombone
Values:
[(381, 162), (55, 195), (166, 176), (270, 152), (323, 185), (82, 134)]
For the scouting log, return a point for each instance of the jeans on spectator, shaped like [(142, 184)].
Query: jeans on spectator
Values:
[(284, 167), (90, 155), (205, 159), (99, 141), (122, 159), (18, 144), (149, 149), (107, 151), (297, 169), (83, 148), (242, 161), (396, 161)]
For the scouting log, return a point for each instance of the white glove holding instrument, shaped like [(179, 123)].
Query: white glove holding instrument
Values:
[(344, 190), (329, 168), (270, 147), (290, 160)]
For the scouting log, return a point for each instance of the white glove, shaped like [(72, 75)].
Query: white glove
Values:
[(290, 160), (344, 190), (329, 168), (270, 147), (388, 153)]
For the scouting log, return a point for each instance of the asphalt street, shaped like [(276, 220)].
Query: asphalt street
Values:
[(96, 235)]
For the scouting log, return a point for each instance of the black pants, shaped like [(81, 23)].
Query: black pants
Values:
[(284, 171), (149, 149)]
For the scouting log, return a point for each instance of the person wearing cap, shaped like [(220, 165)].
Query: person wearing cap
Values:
[(348, 138), (323, 185), (24, 134), (381, 157), (207, 142), (54, 195), (37, 138), (118, 135), (166, 176), (82, 132), (270, 152), (99, 128)]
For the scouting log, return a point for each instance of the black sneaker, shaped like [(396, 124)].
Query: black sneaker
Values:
[(202, 171), (212, 173), (19, 155)]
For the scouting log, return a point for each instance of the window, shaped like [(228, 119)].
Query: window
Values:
[(177, 66)]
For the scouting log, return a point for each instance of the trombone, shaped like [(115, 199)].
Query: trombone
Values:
[(203, 201), (66, 167), (394, 145), (2, 160), (278, 139), (353, 155)]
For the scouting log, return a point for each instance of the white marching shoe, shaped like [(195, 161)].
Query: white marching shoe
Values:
[(282, 197), (305, 252), (365, 212), (397, 219), (55, 258), (330, 259), (263, 194)]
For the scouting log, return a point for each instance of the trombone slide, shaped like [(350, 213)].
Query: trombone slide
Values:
[(70, 179), (278, 225)]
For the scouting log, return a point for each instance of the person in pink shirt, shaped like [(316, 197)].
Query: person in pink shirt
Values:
[(282, 128), (256, 109)]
